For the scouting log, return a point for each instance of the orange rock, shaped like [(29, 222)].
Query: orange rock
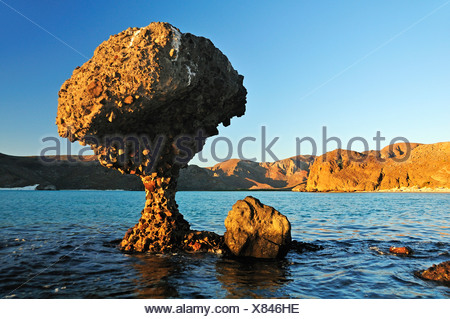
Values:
[(257, 230), (439, 273), (95, 88), (400, 250), (149, 185), (108, 88), (128, 100), (196, 246)]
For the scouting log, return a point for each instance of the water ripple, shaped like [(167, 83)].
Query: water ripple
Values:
[(56, 252)]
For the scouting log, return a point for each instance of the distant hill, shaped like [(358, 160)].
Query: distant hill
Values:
[(87, 173), (241, 174), (428, 166), (18, 171)]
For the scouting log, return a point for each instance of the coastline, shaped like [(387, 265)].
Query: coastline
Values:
[(414, 189), (411, 189)]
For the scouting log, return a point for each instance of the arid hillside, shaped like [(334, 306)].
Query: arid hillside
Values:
[(394, 167), (424, 166)]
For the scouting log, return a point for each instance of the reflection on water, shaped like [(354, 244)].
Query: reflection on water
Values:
[(49, 254), (253, 279), (184, 275), (154, 274)]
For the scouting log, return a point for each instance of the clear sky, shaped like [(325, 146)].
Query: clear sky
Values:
[(356, 67)]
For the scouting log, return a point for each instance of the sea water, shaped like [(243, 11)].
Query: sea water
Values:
[(60, 244)]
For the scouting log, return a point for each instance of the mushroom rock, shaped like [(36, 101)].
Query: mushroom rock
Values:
[(145, 103), (257, 230), (438, 273)]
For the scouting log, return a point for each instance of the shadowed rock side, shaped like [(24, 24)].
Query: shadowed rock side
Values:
[(131, 102), (438, 273), (394, 167), (257, 230)]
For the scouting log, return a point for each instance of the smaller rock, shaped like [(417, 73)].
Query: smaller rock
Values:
[(95, 88), (46, 187), (439, 273), (128, 100), (203, 241), (401, 250), (302, 247), (111, 117), (257, 230)]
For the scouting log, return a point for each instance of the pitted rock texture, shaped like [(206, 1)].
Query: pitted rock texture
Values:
[(151, 82), (439, 273), (161, 226), (139, 102), (257, 230)]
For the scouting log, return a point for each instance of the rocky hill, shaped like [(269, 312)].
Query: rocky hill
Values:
[(62, 173), (427, 166), (241, 174), (87, 173)]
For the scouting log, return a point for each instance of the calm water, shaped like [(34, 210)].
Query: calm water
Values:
[(57, 245)]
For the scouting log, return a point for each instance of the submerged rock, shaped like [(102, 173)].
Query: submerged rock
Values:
[(257, 230), (400, 250), (302, 247), (439, 273), (204, 241), (46, 187), (140, 103)]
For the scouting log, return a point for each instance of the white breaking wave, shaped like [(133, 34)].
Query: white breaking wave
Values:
[(25, 188)]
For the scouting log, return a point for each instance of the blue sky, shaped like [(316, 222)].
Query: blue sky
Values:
[(356, 67)]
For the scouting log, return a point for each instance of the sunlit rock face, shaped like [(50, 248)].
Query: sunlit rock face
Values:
[(396, 167), (141, 103), (439, 273), (257, 230)]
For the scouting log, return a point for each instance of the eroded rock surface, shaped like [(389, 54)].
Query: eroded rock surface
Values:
[(439, 273), (139, 102), (257, 230)]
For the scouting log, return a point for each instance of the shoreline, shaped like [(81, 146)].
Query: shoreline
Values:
[(413, 189)]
